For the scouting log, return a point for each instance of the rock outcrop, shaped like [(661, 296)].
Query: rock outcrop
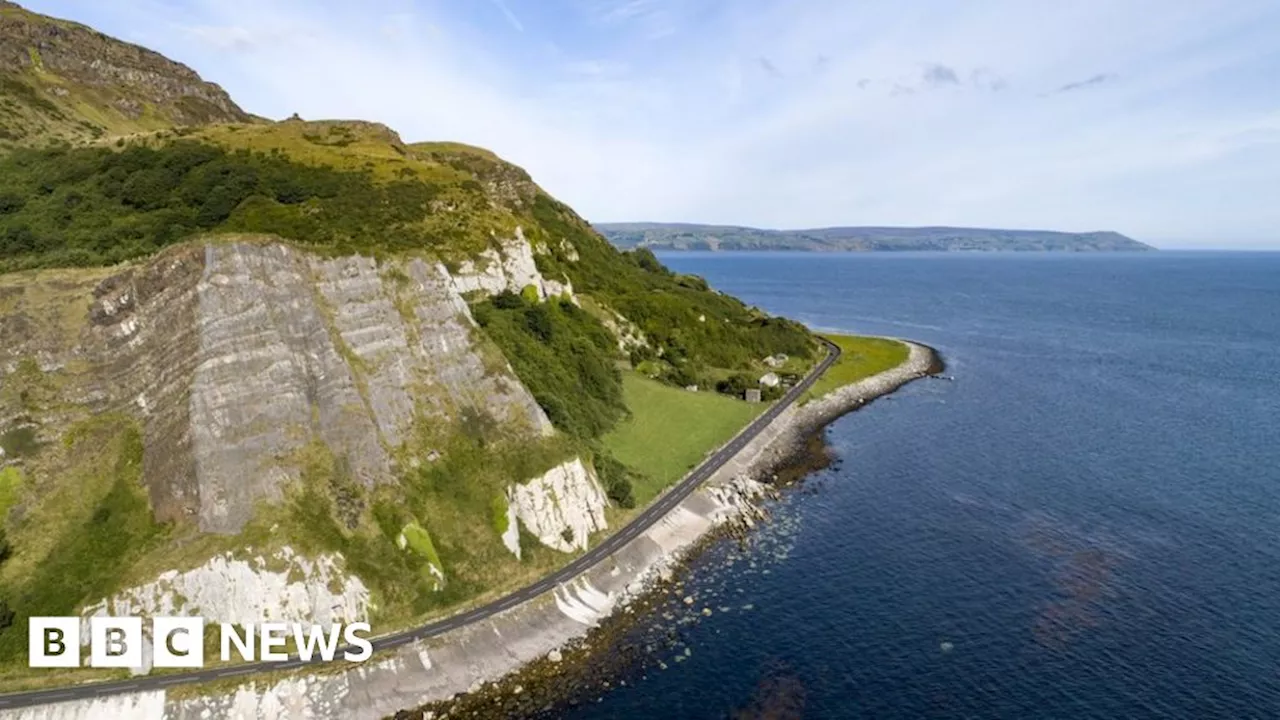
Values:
[(235, 356), (251, 589), (562, 508), (511, 269)]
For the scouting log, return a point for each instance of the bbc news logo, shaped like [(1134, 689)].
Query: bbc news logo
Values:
[(179, 642)]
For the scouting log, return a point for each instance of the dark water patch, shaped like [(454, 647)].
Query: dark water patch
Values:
[(779, 696)]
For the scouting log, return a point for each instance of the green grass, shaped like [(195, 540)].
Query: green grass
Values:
[(10, 484), (419, 541), (671, 430), (498, 507), (76, 550), (861, 357)]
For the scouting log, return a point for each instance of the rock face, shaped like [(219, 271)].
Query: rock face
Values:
[(563, 507), (511, 269), (129, 77), (236, 356), (281, 586)]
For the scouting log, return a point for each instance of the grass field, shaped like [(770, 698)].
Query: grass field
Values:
[(861, 357), (671, 430)]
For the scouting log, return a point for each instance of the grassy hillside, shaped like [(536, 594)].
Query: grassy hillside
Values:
[(670, 430), (112, 158), (354, 187), (62, 81)]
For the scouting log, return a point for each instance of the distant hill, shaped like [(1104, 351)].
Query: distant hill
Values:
[(60, 80), (684, 236)]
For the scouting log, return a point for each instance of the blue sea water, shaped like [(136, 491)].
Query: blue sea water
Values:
[(1085, 523)]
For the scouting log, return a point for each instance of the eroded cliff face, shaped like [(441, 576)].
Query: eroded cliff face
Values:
[(562, 508), (512, 268), (235, 356)]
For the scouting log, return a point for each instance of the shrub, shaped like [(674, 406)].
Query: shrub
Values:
[(616, 479), (563, 355), (135, 200)]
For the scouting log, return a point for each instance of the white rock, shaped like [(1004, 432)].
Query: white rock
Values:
[(230, 590), (562, 508), (512, 268)]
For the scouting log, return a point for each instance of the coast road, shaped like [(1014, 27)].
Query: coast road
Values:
[(642, 522)]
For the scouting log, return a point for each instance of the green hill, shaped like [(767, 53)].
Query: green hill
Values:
[(63, 81), (375, 370), (683, 236)]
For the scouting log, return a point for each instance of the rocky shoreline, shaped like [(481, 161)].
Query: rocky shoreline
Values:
[(584, 668), (517, 662)]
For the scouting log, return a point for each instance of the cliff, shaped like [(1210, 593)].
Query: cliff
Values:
[(247, 368), (300, 370), (483, 660)]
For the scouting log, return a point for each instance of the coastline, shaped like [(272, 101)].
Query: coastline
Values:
[(435, 671)]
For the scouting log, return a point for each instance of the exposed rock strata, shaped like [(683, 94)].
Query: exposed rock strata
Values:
[(236, 356)]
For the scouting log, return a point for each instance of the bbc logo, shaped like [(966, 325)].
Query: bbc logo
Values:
[(115, 642)]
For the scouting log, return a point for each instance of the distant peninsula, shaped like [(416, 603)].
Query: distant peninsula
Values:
[(686, 236)]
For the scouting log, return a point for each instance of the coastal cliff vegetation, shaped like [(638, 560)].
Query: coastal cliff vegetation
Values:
[(226, 340)]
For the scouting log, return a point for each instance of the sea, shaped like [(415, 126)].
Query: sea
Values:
[(1083, 522)]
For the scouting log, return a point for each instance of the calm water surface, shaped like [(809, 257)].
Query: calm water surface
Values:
[(1085, 523)]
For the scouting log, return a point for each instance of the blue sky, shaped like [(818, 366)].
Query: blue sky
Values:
[(1156, 118)]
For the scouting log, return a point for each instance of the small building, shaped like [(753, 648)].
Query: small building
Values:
[(752, 395), (691, 388), (771, 380)]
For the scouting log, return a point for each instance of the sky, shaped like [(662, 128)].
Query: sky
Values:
[(1159, 119)]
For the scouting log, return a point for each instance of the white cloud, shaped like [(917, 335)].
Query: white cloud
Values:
[(666, 109)]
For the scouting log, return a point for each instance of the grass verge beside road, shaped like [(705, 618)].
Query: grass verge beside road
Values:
[(671, 430), (861, 357)]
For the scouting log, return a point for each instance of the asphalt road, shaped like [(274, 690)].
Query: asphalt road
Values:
[(611, 544)]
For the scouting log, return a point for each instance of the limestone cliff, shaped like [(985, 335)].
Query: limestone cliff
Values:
[(233, 356), (305, 369), (252, 589)]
